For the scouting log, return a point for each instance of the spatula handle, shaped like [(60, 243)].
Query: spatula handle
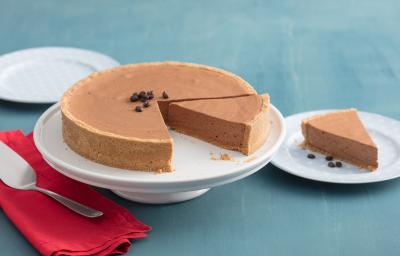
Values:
[(71, 204)]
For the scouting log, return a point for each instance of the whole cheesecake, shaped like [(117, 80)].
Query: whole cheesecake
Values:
[(103, 123)]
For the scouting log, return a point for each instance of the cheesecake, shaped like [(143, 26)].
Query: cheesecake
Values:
[(342, 135), (105, 119), (239, 123)]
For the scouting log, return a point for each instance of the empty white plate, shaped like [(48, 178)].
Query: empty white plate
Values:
[(41, 75), (384, 131)]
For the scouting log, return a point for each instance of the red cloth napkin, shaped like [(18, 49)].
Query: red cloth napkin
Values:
[(54, 229)]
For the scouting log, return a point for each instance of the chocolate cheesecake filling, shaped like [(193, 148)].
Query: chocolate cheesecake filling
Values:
[(243, 122)]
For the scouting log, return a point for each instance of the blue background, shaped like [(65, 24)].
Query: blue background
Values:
[(307, 54)]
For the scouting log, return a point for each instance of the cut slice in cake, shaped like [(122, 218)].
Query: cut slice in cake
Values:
[(239, 123), (342, 135)]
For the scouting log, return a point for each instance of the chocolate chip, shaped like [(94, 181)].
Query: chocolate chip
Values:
[(142, 94), (165, 95), (329, 158), (311, 156), (146, 104), (144, 98), (138, 109), (134, 98), (339, 164), (331, 164)]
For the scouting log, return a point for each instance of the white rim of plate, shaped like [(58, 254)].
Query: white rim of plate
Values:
[(284, 161), (97, 61), (77, 171)]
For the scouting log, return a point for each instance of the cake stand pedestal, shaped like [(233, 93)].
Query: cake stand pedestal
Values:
[(160, 198)]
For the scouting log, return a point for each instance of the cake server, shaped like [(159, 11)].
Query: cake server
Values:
[(17, 173)]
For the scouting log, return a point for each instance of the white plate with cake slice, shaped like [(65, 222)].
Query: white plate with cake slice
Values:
[(375, 131), (199, 166)]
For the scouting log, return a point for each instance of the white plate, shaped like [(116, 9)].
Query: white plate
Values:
[(195, 171), (41, 75), (384, 131)]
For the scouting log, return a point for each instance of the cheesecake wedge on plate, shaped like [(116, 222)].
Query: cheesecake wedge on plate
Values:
[(342, 135)]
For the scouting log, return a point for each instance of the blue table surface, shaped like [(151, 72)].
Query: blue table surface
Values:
[(307, 54)]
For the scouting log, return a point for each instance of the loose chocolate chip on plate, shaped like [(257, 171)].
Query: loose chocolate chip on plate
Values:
[(165, 95), (311, 156), (339, 164), (134, 98), (329, 158), (146, 104), (331, 164), (138, 109)]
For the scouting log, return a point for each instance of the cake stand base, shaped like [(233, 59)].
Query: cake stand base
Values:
[(160, 198)]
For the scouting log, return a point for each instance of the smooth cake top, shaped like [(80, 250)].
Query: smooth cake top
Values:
[(101, 101), (239, 109), (344, 123)]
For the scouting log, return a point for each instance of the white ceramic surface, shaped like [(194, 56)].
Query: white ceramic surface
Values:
[(41, 75), (195, 170), (384, 131)]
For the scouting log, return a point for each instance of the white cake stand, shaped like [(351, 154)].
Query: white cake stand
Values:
[(195, 170)]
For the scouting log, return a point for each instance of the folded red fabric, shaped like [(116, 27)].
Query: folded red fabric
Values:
[(54, 229)]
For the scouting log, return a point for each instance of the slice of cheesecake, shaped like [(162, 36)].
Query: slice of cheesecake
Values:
[(342, 135), (239, 123)]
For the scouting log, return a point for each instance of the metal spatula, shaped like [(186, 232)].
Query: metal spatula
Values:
[(17, 173)]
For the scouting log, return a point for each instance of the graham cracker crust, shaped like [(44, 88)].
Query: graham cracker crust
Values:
[(305, 145)]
